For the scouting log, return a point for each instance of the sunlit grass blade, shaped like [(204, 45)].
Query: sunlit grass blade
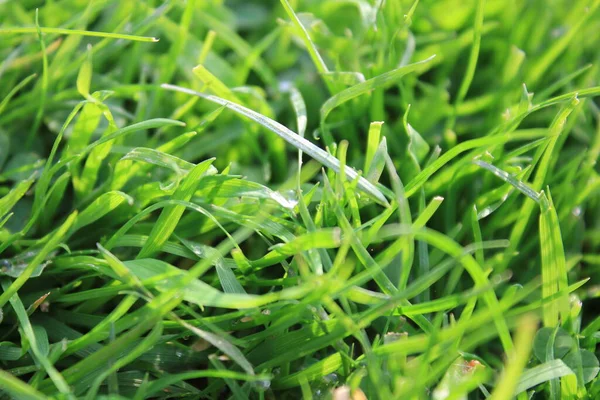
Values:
[(345, 78), (554, 272), (294, 139), (62, 31), (104, 204), (506, 177), (318, 370), (215, 85), (312, 50), (324, 238), (542, 171), (238, 258), (372, 143)]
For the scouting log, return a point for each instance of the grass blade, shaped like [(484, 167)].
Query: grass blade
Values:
[(509, 381), (37, 260), (379, 82), (170, 216), (292, 138), (542, 373), (554, 271), (62, 31)]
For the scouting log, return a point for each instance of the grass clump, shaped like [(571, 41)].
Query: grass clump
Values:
[(299, 199)]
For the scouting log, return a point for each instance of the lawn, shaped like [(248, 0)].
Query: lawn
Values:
[(299, 199)]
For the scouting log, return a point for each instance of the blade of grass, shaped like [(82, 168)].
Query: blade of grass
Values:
[(294, 139), (554, 272), (62, 31), (18, 388), (379, 82), (28, 331), (169, 217), (14, 91), (507, 385), (37, 260)]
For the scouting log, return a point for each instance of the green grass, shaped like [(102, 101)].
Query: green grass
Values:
[(317, 199)]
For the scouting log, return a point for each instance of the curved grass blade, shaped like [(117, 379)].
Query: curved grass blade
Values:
[(292, 138), (140, 126), (169, 217), (38, 259), (125, 170), (18, 388), (29, 333), (164, 382), (506, 177), (220, 343), (14, 91), (380, 81), (310, 46), (62, 31), (103, 204), (8, 202), (228, 280), (452, 248), (545, 372)]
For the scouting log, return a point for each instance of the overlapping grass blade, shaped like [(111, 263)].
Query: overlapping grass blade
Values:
[(169, 217), (294, 139)]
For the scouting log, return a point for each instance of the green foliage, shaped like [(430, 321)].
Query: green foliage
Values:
[(299, 199)]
